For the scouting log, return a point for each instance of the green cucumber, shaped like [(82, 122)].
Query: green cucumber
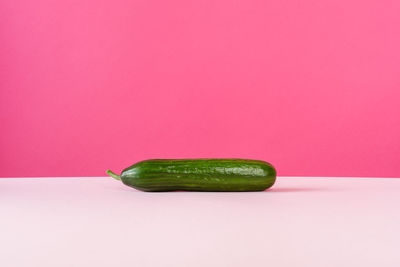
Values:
[(217, 175)]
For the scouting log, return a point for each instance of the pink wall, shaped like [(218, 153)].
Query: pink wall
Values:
[(311, 86)]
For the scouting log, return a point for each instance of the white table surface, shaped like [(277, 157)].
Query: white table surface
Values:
[(98, 221)]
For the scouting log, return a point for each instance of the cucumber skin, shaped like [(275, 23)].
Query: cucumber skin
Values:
[(214, 175)]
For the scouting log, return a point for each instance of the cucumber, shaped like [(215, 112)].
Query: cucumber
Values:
[(217, 175)]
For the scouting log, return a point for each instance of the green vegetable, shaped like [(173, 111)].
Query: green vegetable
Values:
[(158, 175)]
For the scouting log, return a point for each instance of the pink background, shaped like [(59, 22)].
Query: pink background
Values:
[(311, 86)]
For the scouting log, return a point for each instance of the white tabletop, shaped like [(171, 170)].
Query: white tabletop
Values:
[(101, 222)]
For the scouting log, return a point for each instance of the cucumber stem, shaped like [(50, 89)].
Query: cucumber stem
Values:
[(113, 175)]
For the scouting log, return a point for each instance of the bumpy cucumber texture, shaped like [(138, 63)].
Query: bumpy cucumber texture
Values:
[(218, 175)]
